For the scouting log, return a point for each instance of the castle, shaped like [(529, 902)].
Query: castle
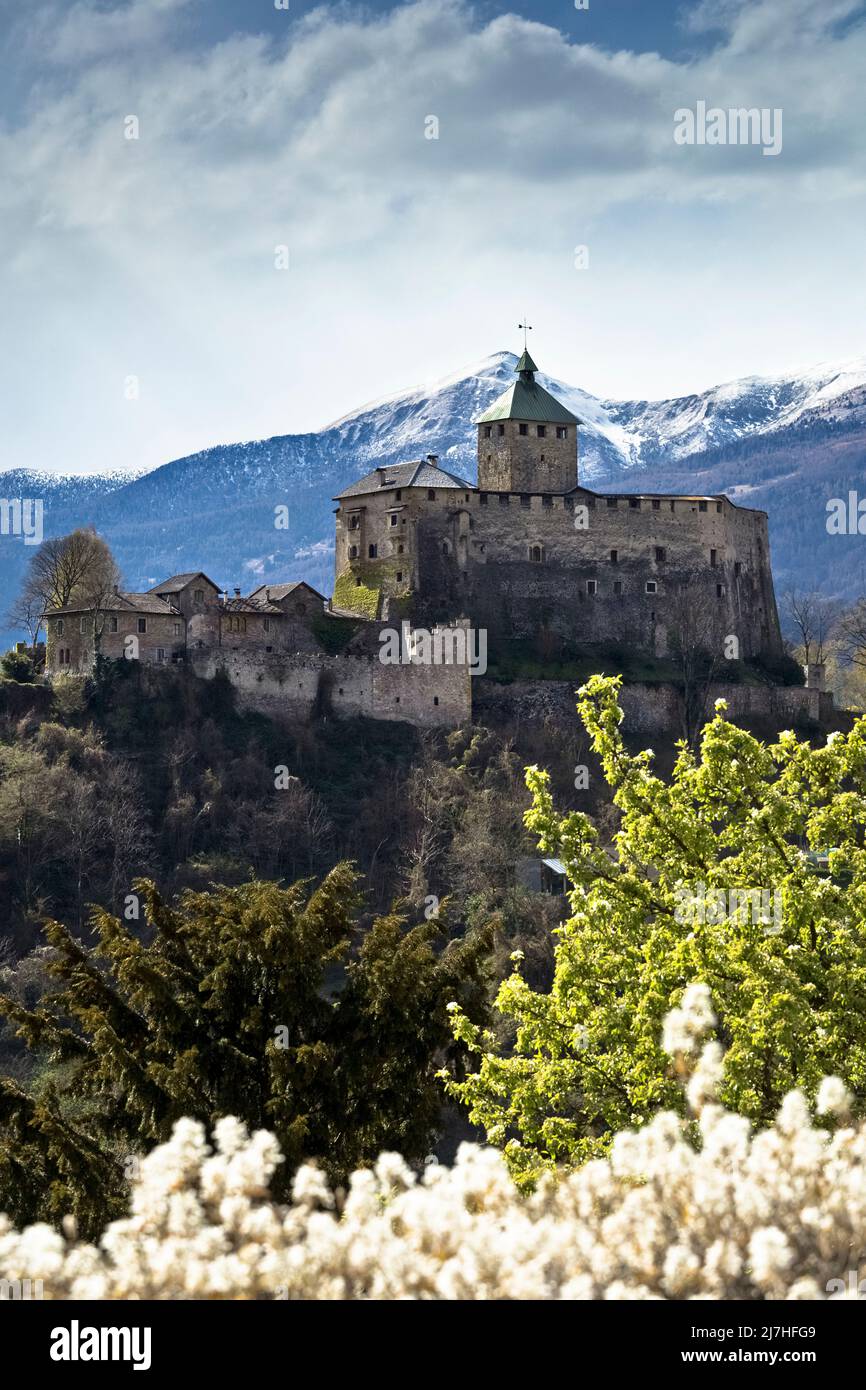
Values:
[(527, 554), (529, 549)]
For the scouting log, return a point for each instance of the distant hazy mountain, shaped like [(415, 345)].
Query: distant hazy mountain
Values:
[(785, 444)]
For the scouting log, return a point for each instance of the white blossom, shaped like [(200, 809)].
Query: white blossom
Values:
[(738, 1216)]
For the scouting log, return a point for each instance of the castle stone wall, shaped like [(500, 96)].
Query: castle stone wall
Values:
[(630, 575), (302, 685), (655, 710)]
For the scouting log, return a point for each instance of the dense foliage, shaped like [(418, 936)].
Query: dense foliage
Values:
[(745, 870), (246, 1001), (780, 1214)]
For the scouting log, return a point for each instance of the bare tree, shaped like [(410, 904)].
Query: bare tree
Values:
[(696, 651), (814, 617), (27, 614), (850, 633), (78, 568)]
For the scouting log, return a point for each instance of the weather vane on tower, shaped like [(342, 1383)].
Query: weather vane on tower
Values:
[(527, 328)]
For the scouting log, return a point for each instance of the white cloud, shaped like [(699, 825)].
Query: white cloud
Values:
[(85, 31), (155, 256)]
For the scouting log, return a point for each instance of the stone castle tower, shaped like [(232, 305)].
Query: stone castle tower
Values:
[(527, 440)]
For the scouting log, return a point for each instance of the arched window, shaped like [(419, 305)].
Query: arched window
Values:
[(536, 554)]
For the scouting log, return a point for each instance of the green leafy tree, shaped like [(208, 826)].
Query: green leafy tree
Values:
[(246, 1001), (718, 875)]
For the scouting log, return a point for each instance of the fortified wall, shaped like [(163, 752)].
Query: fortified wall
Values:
[(654, 710), (592, 568), (306, 685)]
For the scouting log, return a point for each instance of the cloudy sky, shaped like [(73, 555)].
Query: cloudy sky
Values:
[(155, 259)]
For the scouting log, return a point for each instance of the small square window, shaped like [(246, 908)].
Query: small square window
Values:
[(500, 430), (399, 495), (617, 586), (611, 502), (488, 431), (142, 624), (592, 586), (661, 554), (562, 431), (651, 586), (720, 591), (525, 499), (634, 503), (503, 499), (482, 499), (199, 595), (372, 551), (523, 429), (656, 504), (702, 506), (541, 430), (399, 576), (547, 501), (112, 623), (393, 518), (614, 557), (431, 494)]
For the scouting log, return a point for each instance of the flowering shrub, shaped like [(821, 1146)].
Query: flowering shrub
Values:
[(778, 1214)]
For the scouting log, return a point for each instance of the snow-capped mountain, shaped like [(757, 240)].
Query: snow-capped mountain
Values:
[(786, 444)]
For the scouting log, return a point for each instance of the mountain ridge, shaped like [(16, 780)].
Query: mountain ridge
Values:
[(780, 443)]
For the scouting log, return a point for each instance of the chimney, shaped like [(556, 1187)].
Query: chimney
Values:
[(816, 676), (433, 458), (237, 592)]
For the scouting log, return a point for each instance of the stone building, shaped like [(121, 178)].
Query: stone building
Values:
[(529, 551), (270, 646), (180, 618)]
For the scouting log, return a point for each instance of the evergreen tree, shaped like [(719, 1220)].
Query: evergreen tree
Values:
[(247, 1001)]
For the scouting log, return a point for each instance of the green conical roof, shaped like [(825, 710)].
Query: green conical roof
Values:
[(526, 400)]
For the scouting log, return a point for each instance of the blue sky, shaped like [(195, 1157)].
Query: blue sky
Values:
[(637, 24), (146, 310)]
